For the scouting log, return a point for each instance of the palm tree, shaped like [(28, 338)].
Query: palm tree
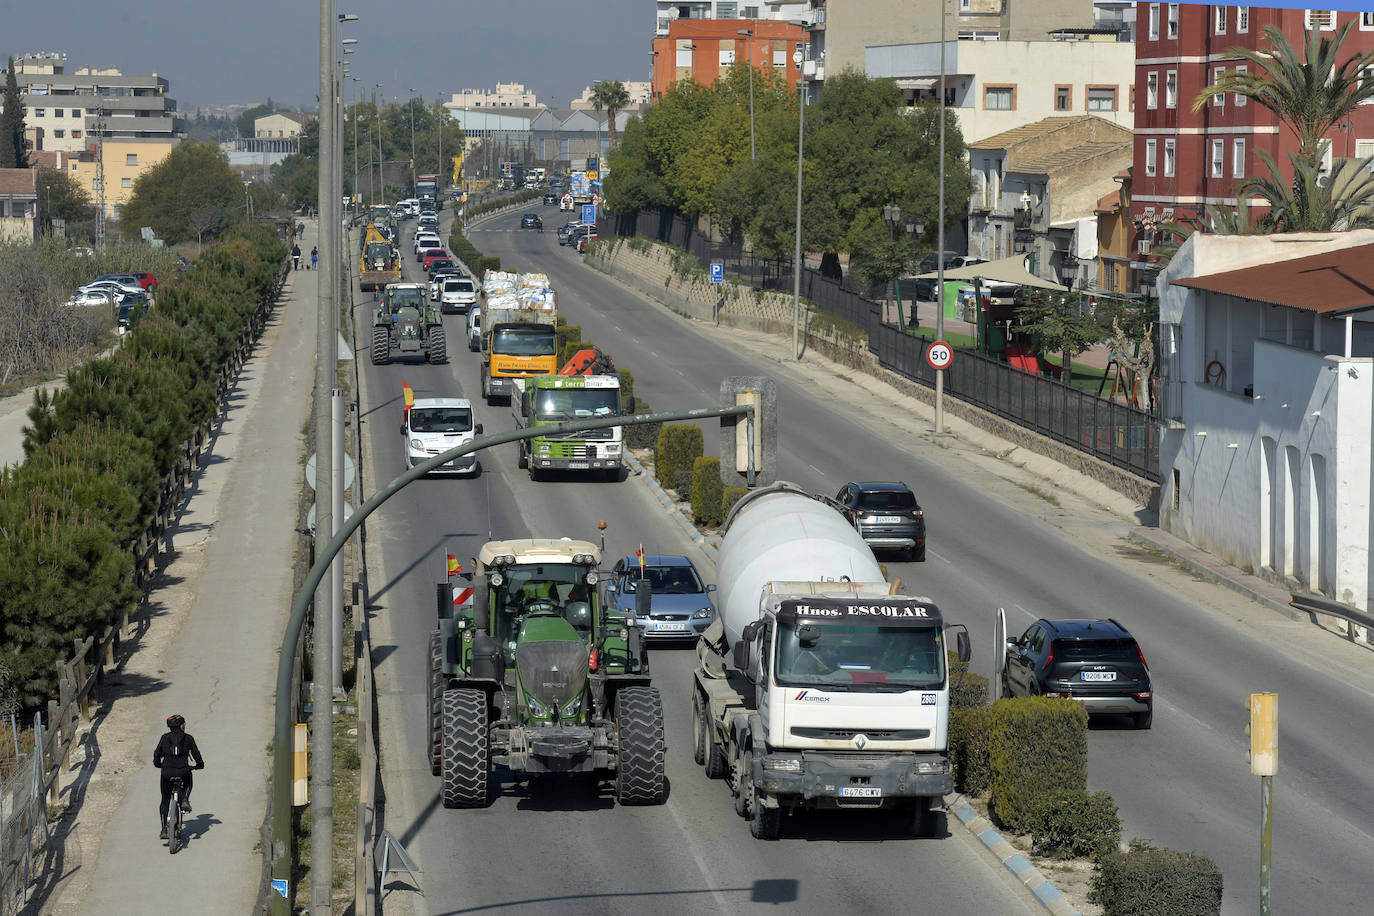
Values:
[(611, 95), (1313, 201), (1310, 96)]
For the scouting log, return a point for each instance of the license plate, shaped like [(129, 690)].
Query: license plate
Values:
[(887, 519), (578, 465), (860, 792), (671, 627), (1099, 675)]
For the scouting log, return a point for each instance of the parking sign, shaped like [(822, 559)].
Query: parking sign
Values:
[(717, 273), (589, 213)]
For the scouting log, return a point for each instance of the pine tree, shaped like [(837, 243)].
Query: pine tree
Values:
[(12, 152)]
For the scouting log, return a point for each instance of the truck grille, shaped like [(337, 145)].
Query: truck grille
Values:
[(848, 734)]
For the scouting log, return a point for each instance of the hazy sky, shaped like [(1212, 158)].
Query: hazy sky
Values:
[(246, 50)]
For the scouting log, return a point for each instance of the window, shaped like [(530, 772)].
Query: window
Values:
[(1102, 98), (1218, 158), (684, 53), (727, 10), (1366, 22), (1154, 21), (57, 112), (1219, 26), (76, 135), (1173, 20), (95, 183), (999, 98), (126, 182), (131, 159), (1219, 98), (1150, 151), (1152, 90), (1242, 19), (964, 5), (1169, 150), (1239, 100), (40, 112), (76, 112), (1171, 89), (1063, 98), (59, 133), (1366, 75), (1237, 158), (727, 53), (1320, 20)]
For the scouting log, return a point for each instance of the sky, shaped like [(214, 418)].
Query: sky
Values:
[(215, 53)]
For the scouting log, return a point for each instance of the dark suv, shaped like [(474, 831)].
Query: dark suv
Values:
[(1096, 662), (887, 516)]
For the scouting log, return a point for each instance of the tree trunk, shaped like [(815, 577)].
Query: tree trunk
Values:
[(610, 125), (1067, 376)]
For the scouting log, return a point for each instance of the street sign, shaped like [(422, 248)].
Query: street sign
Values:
[(717, 273), (939, 354), (589, 213)]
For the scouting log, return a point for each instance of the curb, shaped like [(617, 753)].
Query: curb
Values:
[(1230, 578), (1012, 860)]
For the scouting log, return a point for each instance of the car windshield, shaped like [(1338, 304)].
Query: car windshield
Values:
[(666, 580), (378, 250), (845, 657), (576, 403), (441, 419), (1095, 650), (524, 342), (887, 500)]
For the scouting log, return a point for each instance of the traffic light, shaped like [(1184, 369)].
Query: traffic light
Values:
[(1264, 733)]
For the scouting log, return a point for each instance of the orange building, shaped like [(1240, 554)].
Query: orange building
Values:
[(704, 49)]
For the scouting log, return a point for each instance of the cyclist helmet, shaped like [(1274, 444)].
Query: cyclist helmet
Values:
[(176, 721)]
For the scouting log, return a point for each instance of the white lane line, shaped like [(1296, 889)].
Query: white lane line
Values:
[(1030, 614), (941, 557), (721, 903)]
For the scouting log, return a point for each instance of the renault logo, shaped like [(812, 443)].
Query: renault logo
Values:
[(860, 742)]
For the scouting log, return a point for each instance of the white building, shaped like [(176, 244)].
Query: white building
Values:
[(669, 10), (505, 95), (1267, 372), (639, 92), (996, 86)]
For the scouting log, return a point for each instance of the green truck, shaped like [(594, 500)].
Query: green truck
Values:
[(545, 400)]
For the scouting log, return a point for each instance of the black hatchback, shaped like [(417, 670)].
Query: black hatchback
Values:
[(886, 515), (1097, 662), (530, 221)]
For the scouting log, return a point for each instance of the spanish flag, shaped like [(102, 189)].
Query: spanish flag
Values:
[(640, 554), (409, 394), (453, 566)]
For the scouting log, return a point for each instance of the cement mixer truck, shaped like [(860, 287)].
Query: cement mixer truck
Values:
[(819, 686)]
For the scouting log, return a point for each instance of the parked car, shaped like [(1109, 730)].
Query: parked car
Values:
[(147, 280), (925, 287), (578, 232), (584, 239), (114, 287), (474, 328), (680, 605), (565, 230), (89, 298), (435, 425), (1096, 662), (458, 295), (886, 515)]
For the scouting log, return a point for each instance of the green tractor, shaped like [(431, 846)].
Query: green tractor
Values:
[(528, 671), (405, 321)]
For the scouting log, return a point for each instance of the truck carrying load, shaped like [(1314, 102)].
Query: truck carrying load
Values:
[(819, 686), (518, 327)]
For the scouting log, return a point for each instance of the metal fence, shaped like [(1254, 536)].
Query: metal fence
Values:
[(1113, 432)]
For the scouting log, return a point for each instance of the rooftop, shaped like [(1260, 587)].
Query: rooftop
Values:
[(1331, 283), (1029, 131)]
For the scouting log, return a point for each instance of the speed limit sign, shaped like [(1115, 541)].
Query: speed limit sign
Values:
[(939, 354)]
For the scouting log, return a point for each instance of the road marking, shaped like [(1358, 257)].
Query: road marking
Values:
[(937, 556), (1031, 615), (721, 904)]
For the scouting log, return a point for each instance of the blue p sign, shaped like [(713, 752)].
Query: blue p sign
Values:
[(589, 213), (717, 273)]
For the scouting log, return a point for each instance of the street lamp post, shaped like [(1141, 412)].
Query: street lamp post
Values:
[(892, 215), (940, 243), (749, 54), (357, 97), (915, 227), (381, 166), (797, 252), (411, 105)]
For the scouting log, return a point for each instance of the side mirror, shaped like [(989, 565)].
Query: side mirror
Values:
[(477, 430), (962, 646), (403, 429), (711, 587), (751, 630), (630, 404)]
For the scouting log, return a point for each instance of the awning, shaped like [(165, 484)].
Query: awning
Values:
[(914, 83), (1333, 283), (1003, 270)]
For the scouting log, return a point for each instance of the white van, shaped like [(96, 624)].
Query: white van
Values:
[(435, 425), (475, 328)]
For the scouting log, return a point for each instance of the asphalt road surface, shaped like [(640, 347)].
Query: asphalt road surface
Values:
[(993, 542)]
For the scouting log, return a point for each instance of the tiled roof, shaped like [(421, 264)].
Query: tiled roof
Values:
[(18, 182), (1053, 162), (1026, 131), (1328, 284)]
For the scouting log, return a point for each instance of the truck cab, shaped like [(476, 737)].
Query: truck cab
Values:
[(551, 399)]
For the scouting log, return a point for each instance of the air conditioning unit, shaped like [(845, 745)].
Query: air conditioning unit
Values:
[(1143, 248)]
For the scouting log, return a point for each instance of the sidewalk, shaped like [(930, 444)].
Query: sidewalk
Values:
[(206, 648)]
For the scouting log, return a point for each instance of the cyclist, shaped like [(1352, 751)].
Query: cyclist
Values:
[(175, 751)]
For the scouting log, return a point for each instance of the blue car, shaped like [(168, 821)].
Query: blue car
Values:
[(681, 606)]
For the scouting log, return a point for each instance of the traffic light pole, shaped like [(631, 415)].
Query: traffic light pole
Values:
[(1266, 840)]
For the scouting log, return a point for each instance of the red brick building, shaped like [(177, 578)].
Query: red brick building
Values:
[(705, 49), (1185, 160)]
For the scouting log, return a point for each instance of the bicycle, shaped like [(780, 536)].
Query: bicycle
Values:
[(175, 824)]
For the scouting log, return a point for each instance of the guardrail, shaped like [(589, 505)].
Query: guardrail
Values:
[(1317, 604)]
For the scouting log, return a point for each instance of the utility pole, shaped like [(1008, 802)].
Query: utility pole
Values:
[(797, 254), (381, 166), (940, 244), (411, 105)]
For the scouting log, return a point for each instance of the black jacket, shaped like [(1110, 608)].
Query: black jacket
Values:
[(175, 751)]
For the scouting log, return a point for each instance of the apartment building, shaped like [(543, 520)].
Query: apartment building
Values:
[(282, 124), (1184, 159), (505, 95), (705, 49), (639, 91), (670, 11)]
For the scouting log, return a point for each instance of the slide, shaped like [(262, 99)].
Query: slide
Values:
[(1022, 358)]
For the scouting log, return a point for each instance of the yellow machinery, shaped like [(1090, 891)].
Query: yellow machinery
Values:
[(380, 263)]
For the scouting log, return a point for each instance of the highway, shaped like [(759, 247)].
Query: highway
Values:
[(994, 541)]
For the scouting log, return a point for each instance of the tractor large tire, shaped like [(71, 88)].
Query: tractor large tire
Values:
[(381, 345), (435, 729), (466, 764), (438, 348), (764, 823), (639, 778)]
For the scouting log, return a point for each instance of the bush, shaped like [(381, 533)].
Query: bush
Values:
[(678, 446), (969, 730), (563, 333), (627, 382), (1156, 882), (729, 496), (707, 492), (1072, 824), (965, 687), (682, 483), (1037, 746), (643, 435), (485, 264)]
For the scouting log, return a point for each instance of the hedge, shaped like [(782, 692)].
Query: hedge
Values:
[(642, 435), (563, 333), (627, 382), (965, 687), (1037, 746), (969, 730), (1071, 824), (707, 492), (728, 498), (1147, 881), (678, 446)]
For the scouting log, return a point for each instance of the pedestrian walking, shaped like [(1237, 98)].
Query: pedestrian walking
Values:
[(296, 256), (315, 258)]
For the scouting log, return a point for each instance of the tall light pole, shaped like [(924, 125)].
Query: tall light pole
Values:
[(750, 55), (940, 244), (411, 105), (381, 169), (797, 254), (357, 97)]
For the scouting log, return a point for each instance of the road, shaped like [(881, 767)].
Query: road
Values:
[(540, 848)]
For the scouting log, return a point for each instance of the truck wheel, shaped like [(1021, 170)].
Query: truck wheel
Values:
[(926, 822), (700, 731), (743, 779), (520, 460), (535, 473), (486, 392), (639, 776), (436, 699), (381, 346), (438, 348), (764, 823), (466, 763), (714, 754)]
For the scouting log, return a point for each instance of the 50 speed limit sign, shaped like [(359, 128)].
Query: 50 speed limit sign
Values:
[(939, 354)]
